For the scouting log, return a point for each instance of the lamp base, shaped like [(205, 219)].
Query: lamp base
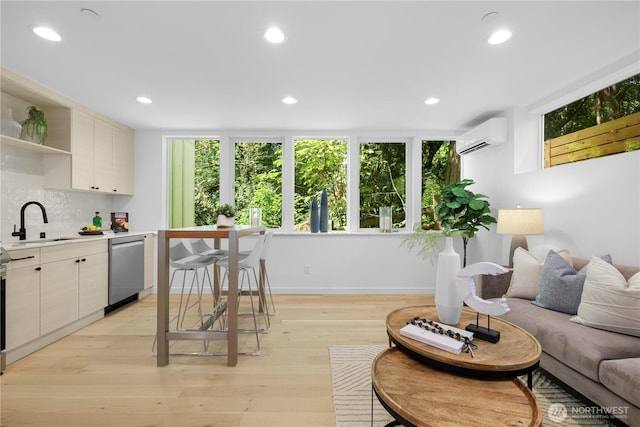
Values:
[(482, 333), (517, 241)]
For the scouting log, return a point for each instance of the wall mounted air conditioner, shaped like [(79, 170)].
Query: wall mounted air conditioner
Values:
[(485, 135)]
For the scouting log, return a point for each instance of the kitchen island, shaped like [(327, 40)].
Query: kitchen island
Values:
[(164, 334)]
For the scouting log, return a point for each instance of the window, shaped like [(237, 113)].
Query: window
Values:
[(207, 180), (258, 180), (603, 123), (320, 164), (194, 185), (440, 167), (253, 177), (382, 182)]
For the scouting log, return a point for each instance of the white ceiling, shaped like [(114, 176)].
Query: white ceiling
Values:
[(351, 65)]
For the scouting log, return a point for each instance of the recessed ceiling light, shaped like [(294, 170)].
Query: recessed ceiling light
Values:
[(274, 35), (499, 36), (47, 33), (289, 100), (432, 101), (143, 100)]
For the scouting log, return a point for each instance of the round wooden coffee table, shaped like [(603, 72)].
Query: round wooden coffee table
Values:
[(419, 395), (517, 352)]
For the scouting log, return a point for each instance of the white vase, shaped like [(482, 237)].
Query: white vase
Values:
[(9, 126), (448, 302)]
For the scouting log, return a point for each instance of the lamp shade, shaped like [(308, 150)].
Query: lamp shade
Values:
[(520, 221)]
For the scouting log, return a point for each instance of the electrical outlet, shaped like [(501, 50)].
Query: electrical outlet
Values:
[(307, 269), (78, 213)]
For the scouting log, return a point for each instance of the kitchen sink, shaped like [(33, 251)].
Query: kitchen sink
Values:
[(41, 241)]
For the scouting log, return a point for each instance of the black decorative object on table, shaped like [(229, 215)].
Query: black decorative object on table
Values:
[(434, 327), (482, 333)]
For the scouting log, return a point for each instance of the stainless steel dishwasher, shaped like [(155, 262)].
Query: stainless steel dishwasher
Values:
[(126, 270)]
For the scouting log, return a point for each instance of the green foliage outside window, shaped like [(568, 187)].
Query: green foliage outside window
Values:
[(207, 181), (320, 164), (258, 181), (613, 102), (382, 182), (440, 167)]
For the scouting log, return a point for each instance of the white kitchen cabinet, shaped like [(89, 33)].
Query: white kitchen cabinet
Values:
[(123, 165), (53, 291), (149, 257), (83, 151), (103, 155), (74, 283), (93, 284), (92, 153), (58, 294), (23, 297)]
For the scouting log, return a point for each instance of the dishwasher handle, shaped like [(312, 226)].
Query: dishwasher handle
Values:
[(127, 244)]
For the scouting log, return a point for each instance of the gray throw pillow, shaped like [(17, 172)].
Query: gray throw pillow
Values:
[(560, 286)]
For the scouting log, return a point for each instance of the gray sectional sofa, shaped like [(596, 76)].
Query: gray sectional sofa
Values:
[(601, 365)]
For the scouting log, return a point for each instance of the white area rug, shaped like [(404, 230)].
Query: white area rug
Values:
[(353, 406)]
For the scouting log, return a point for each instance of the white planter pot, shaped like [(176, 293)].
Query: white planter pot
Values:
[(224, 221), (448, 302)]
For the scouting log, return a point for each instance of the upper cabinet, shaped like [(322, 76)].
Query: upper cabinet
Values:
[(83, 151), (102, 155)]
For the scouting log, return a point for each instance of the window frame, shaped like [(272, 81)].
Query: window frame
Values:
[(353, 139)]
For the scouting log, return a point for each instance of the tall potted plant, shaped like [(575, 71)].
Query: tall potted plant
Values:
[(34, 127), (459, 212)]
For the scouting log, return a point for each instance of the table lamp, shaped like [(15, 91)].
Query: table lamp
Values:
[(519, 222)]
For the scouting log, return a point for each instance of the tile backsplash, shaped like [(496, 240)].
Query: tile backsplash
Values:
[(22, 180)]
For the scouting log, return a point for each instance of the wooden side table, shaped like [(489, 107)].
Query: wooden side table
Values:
[(422, 385), (419, 395)]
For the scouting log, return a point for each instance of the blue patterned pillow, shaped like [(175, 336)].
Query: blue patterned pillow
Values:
[(560, 285)]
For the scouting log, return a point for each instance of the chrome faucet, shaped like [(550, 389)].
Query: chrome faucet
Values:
[(23, 231)]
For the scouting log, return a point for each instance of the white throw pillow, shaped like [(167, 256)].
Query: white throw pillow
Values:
[(609, 301), (526, 273)]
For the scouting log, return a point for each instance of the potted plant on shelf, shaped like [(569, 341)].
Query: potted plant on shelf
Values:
[(34, 127), (226, 215)]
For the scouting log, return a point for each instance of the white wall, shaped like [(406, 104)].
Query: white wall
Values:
[(590, 207)]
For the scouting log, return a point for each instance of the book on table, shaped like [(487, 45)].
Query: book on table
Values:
[(438, 340)]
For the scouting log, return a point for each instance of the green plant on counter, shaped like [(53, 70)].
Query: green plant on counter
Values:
[(34, 127)]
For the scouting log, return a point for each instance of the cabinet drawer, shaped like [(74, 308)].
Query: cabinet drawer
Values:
[(72, 250), (23, 258)]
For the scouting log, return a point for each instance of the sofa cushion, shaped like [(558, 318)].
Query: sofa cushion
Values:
[(622, 376), (609, 301), (560, 286), (578, 346), (526, 274)]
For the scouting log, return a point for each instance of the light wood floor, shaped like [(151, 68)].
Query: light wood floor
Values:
[(106, 374)]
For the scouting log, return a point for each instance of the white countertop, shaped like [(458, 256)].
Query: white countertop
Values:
[(66, 239)]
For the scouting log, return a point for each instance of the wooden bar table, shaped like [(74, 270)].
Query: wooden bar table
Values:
[(164, 334)]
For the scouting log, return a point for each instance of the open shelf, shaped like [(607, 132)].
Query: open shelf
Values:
[(8, 141)]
